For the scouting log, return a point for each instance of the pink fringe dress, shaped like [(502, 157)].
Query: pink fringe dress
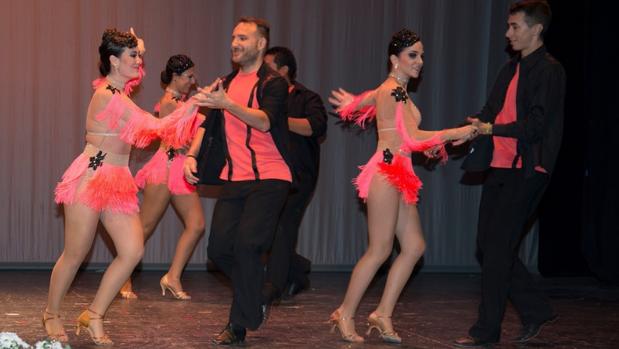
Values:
[(166, 167), (101, 180), (396, 167)]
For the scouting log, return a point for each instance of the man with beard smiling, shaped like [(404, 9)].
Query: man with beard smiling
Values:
[(244, 144)]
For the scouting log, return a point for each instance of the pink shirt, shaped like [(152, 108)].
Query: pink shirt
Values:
[(505, 147), (261, 151)]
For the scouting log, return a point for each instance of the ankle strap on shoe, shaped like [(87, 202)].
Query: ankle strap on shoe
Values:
[(97, 314)]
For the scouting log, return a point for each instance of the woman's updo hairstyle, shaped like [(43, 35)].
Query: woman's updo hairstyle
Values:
[(399, 41), (176, 65), (113, 42)]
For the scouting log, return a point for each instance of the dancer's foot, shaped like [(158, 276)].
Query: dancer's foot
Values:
[(174, 286), (346, 327), (92, 322), (384, 326), (53, 326)]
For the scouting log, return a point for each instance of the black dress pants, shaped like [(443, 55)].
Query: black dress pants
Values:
[(242, 230), (285, 265), (508, 202)]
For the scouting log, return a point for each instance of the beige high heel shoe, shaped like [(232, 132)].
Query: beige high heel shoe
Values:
[(337, 321), (60, 336), (165, 285), (376, 321), (83, 321)]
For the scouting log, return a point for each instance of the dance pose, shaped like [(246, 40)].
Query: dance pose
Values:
[(287, 270), (163, 182), (389, 185), (521, 127), (248, 128), (99, 186)]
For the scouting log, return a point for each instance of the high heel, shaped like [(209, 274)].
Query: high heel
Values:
[(84, 321), (128, 295), (60, 336), (378, 322), (165, 285), (337, 321)]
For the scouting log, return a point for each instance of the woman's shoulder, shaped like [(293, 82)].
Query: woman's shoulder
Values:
[(390, 92)]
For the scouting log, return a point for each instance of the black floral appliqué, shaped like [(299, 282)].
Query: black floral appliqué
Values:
[(387, 156), (171, 153), (97, 160), (113, 89), (399, 94)]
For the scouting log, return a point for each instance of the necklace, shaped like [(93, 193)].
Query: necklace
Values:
[(402, 82), (177, 96), (113, 85)]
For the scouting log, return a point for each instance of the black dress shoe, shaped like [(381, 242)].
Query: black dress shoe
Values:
[(471, 342), (231, 335), (531, 330), (293, 289)]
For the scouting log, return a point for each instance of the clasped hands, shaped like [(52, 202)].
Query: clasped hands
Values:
[(213, 96)]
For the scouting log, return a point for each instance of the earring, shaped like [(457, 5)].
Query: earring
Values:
[(395, 66)]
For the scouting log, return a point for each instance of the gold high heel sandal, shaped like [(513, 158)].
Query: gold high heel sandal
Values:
[(337, 321), (128, 295), (60, 336), (84, 321), (165, 285), (378, 322)]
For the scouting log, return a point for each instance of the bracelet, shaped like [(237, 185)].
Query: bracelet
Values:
[(486, 128)]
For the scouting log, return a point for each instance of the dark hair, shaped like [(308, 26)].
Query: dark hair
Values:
[(176, 65), (113, 42), (399, 41), (535, 12), (282, 56), (263, 26)]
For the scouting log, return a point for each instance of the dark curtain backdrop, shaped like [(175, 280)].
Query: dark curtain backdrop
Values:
[(49, 58)]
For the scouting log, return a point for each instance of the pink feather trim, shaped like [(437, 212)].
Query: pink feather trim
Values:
[(154, 172), (179, 127), (359, 117), (412, 145)]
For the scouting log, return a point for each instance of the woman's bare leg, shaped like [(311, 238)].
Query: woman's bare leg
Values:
[(383, 202), (412, 247), (79, 232), (189, 208), (126, 233), (154, 204)]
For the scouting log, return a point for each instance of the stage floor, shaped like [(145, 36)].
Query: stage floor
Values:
[(434, 310)]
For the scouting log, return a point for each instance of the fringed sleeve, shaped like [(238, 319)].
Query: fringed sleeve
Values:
[(359, 117), (141, 128), (413, 145)]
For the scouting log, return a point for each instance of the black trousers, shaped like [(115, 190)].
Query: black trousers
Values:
[(242, 230), (285, 264), (508, 202)]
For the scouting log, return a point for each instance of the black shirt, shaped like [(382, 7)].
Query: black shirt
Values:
[(305, 150), (539, 113)]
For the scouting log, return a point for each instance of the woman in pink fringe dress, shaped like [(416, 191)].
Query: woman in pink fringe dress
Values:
[(163, 182), (389, 185), (98, 185)]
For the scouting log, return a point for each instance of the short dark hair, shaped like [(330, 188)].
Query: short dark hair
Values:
[(113, 42), (282, 56), (176, 65), (264, 29), (535, 12)]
